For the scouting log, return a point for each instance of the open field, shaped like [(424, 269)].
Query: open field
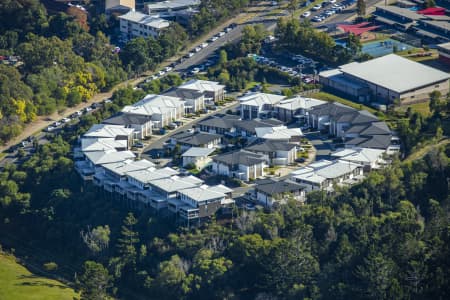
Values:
[(16, 282), (422, 108)]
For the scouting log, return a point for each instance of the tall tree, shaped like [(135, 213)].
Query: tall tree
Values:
[(128, 240), (94, 282)]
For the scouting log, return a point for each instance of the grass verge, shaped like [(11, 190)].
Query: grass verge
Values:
[(330, 97), (16, 282)]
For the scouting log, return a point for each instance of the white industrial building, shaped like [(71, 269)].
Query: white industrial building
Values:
[(386, 79), (135, 24)]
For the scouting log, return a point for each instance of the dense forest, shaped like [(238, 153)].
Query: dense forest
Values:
[(385, 238), (53, 61)]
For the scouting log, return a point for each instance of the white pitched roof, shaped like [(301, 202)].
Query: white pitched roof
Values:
[(202, 193), (109, 156), (259, 99), (108, 131), (277, 133), (197, 152), (321, 170), (140, 18), (367, 155), (299, 102), (151, 174), (172, 184), (102, 144), (202, 85), (122, 168), (154, 104), (395, 73)]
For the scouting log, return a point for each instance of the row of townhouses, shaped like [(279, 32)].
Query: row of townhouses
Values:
[(157, 111)]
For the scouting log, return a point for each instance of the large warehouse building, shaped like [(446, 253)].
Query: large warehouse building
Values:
[(386, 79)]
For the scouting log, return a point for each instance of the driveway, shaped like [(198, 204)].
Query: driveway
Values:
[(322, 145)]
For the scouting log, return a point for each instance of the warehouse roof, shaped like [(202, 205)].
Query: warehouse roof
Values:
[(395, 73)]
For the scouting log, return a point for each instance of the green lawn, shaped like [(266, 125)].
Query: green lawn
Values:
[(16, 282), (330, 97), (422, 108)]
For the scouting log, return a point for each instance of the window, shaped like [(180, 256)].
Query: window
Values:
[(436, 86)]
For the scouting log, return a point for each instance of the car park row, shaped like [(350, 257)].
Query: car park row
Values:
[(334, 8)]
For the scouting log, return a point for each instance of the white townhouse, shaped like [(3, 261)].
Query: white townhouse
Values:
[(293, 109), (195, 100), (240, 164), (162, 109), (212, 90), (280, 134), (276, 153), (366, 157), (105, 132), (197, 202), (142, 124), (325, 174), (258, 105), (278, 192), (135, 24), (111, 173), (197, 156)]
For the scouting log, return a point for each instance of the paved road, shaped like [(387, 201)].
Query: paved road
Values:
[(158, 141), (323, 146)]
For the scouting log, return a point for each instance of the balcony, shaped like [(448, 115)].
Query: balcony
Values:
[(188, 212)]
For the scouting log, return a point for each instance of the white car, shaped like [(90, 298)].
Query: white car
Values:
[(317, 19), (50, 128), (168, 69), (56, 124), (332, 1), (195, 70), (204, 45), (161, 73), (221, 33), (197, 49), (87, 109), (107, 101), (65, 120), (190, 54), (228, 29), (214, 38), (317, 7), (306, 14)]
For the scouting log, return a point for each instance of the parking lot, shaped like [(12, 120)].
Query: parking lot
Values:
[(325, 10)]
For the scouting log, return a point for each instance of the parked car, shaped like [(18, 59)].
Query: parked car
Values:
[(65, 120), (197, 49), (221, 33), (50, 128), (56, 124), (190, 54), (168, 69), (306, 14), (138, 145), (195, 70), (161, 73), (317, 7), (214, 38), (87, 109), (107, 101)]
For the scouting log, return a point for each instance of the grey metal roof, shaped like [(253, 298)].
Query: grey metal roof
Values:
[(374, 141), (127, 119), (241, 157), (278, 187), (331, 108), (250, 125), (196, 138), (224, 123), (395, 73), (197, 152), (184, 94), (356, 117), (271, 146)]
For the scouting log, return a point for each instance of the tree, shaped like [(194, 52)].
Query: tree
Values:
[(361, 8), (97, 239), (172, 280), (94, 282), (292, 6), (435, 101), (128, 240), (223, 57), (430, 3)]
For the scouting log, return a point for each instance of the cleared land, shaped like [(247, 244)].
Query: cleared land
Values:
[(16, 282)]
